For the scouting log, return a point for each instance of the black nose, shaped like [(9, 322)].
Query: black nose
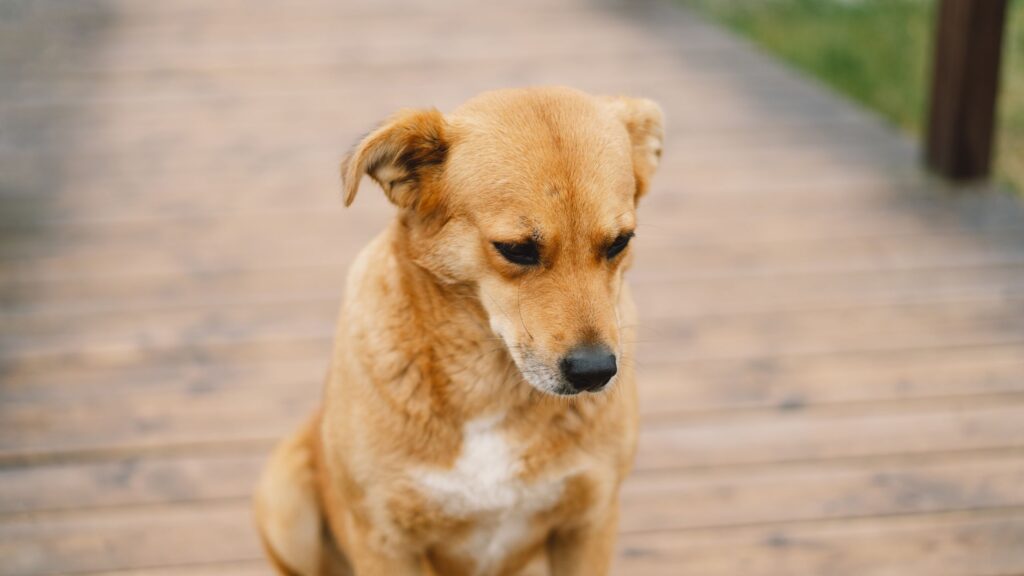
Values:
[(589, 367)]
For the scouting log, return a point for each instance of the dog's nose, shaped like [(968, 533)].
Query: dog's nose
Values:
[(589, 368)]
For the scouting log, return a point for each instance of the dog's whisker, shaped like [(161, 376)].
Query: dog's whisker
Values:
[(496, 304), (519, 305)]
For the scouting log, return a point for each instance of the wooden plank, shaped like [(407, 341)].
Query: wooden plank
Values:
[(799, 333), (311, 185), (695, 225), (253, 567), (122, 143), (258, 42), (153, 479), (670, 256), (318, 290), (669, 501), (941, 546), (671, 389), (670, 385), (679, 388), (189, 10), (46, 410), (137, 128), (664, 500), (39, 239), (127, 150), (706, 296), (170, 420), (965, 83), (317, 160), (954, 544), (826, 434), (821, 328), (881, 254), (152, 421), (319, 73), (699, 221), (305, 25), (679, 335), (122, 361), (164, 537), (25, 304)]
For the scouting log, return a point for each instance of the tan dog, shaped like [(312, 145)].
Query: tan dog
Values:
[(480, 411)]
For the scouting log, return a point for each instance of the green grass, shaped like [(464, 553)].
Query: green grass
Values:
[(879, 53)]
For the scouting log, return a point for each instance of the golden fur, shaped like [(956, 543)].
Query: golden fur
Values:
[(440, 447)]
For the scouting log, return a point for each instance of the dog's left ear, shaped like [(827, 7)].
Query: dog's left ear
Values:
[(403, 155), (644, 122)]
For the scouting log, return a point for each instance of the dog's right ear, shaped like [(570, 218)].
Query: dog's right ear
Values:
[(644, 122), (404, 156)]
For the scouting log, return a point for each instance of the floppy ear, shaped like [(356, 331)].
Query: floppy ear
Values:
[(644, 123), (404, 155)]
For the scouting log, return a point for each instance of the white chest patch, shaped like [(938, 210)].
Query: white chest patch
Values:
[(484, 485)]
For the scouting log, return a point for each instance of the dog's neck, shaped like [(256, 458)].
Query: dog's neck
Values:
[(426, 348)]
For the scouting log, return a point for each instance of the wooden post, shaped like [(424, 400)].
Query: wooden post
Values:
[(965, 82)]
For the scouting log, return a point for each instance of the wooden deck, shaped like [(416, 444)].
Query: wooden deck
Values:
[(832, 366)]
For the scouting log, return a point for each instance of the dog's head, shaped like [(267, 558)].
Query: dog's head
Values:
[(528, 198)]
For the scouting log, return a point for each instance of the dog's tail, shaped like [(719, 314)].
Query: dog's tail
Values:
[(288, 515)]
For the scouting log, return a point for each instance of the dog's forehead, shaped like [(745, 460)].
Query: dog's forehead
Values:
[(516, 222), (541, 156), (535, 125)]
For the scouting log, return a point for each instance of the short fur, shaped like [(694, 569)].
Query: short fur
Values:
[(442, 445)]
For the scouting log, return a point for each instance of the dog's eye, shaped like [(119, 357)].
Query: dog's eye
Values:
[(618, 245), (524, 254)]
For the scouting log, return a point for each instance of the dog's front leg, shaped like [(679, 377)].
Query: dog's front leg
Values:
[(586, 550)]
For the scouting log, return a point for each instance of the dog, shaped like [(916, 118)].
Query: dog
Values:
[(480, 411)]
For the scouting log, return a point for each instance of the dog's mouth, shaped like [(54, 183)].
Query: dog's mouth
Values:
[(541, 375), (588, 367), (550, 379)]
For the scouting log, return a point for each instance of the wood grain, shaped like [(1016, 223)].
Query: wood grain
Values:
[(831, 351)]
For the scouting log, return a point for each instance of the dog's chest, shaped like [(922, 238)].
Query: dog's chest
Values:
[(484, 487)]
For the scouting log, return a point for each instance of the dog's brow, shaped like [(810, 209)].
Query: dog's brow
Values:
[(525, 228), (519, 237), (624, 219), (620, 229)]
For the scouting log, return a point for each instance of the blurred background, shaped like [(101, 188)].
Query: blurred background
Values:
[(832, 355), (880, 54)]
